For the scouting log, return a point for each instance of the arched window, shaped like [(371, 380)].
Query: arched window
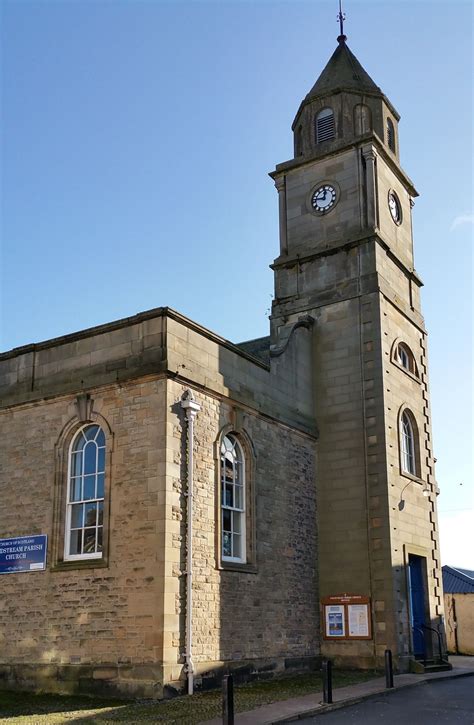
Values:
[(407, 443), (362, 122), (85, 496), (325, 128), (233, 535), (405, 358), (390, 135)]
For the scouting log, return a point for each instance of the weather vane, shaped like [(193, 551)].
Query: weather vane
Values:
[(341, 16)]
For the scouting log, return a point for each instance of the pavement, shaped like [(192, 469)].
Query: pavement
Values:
[(298, 708)]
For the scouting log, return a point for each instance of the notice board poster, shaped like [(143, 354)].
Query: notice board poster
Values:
[(335, 624), (23, 553), (346, 616), (358, 615)]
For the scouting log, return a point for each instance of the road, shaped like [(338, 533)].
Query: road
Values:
[(430, 703)]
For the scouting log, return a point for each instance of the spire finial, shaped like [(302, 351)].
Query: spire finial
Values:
[(341, 16)]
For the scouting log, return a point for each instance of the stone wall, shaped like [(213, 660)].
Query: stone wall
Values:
[(86, 627), (241, 617), (459, 610)]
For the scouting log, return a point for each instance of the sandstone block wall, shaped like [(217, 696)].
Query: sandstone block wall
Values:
[(84, 624), (268, 614)]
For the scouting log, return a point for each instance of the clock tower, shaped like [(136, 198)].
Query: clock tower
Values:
[(346, 263)]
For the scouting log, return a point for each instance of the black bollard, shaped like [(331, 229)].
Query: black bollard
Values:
[(327, 682), (228, 700), (388, 668)]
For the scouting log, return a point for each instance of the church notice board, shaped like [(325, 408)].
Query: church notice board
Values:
[(346, 616)]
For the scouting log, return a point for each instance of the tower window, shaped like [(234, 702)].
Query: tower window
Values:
[(403, 356), (299, 141), (390, 135), (407, 443), (362, 120), (325, 128)]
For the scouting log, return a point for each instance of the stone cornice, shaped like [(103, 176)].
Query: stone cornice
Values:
[(371, 137)]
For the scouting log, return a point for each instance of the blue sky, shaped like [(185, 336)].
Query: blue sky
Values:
[(137, 137)]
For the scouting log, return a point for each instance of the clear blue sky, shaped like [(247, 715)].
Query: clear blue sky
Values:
[(137, 137)]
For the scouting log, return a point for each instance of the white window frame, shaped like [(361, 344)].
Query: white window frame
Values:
[(236, 512), (407, 443), (69, 503)]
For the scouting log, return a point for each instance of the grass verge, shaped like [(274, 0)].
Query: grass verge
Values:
[(39, 709)]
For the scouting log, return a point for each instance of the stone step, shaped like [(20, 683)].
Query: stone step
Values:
[(418, 667)]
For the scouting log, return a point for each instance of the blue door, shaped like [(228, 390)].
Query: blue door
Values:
[(416, 566)]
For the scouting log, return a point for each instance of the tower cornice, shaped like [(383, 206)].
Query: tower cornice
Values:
[(371, 137)]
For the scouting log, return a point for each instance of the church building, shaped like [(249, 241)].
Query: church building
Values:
[(175, 506)]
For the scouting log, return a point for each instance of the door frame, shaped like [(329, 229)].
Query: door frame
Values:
[(409, 549)]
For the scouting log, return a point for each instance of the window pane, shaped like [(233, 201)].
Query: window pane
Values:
[(226, 544), (76, 464), (76, 516), (237, 521), (99, 538), (90, 514), (100, 520), (91, 432), (238, 471), (89, 541), (90, 453), (76, 489), (226, 520), (228, 498), (100, 486), (89, 487), (80, 442), (101, 462), (100, 438), (229, 470), (237, 542), (239, 496), (76, 542)]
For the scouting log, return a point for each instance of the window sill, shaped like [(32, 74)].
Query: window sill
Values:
[(248, 568), (411, 477), (411, 375), (79, 564)]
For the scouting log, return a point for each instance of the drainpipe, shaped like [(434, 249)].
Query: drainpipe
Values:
[(191, 408)]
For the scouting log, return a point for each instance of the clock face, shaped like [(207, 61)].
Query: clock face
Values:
[(395, 208), (323, 198)]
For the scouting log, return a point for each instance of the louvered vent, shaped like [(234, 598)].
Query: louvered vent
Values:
[(390, 135), (325, 127)]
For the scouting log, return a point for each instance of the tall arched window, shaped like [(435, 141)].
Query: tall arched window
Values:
[(232, 500), (407, 443), (85, 496), (390, 135), (324, 125)]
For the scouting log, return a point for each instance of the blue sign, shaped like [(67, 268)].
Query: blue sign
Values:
[(24, 553)]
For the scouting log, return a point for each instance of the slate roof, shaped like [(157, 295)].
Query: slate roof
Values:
[(260, 347), (343, 70), (458, 581)]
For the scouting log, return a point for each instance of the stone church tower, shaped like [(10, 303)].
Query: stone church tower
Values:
[(346, 260), (176, 505)]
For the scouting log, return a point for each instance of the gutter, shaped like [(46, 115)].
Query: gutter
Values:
[(191, 408)]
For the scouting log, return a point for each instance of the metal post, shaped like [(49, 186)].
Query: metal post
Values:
[(228, 700), (388, 668), (327, 682)]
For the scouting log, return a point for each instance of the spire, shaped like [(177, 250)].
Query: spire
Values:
[(343, 72)]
